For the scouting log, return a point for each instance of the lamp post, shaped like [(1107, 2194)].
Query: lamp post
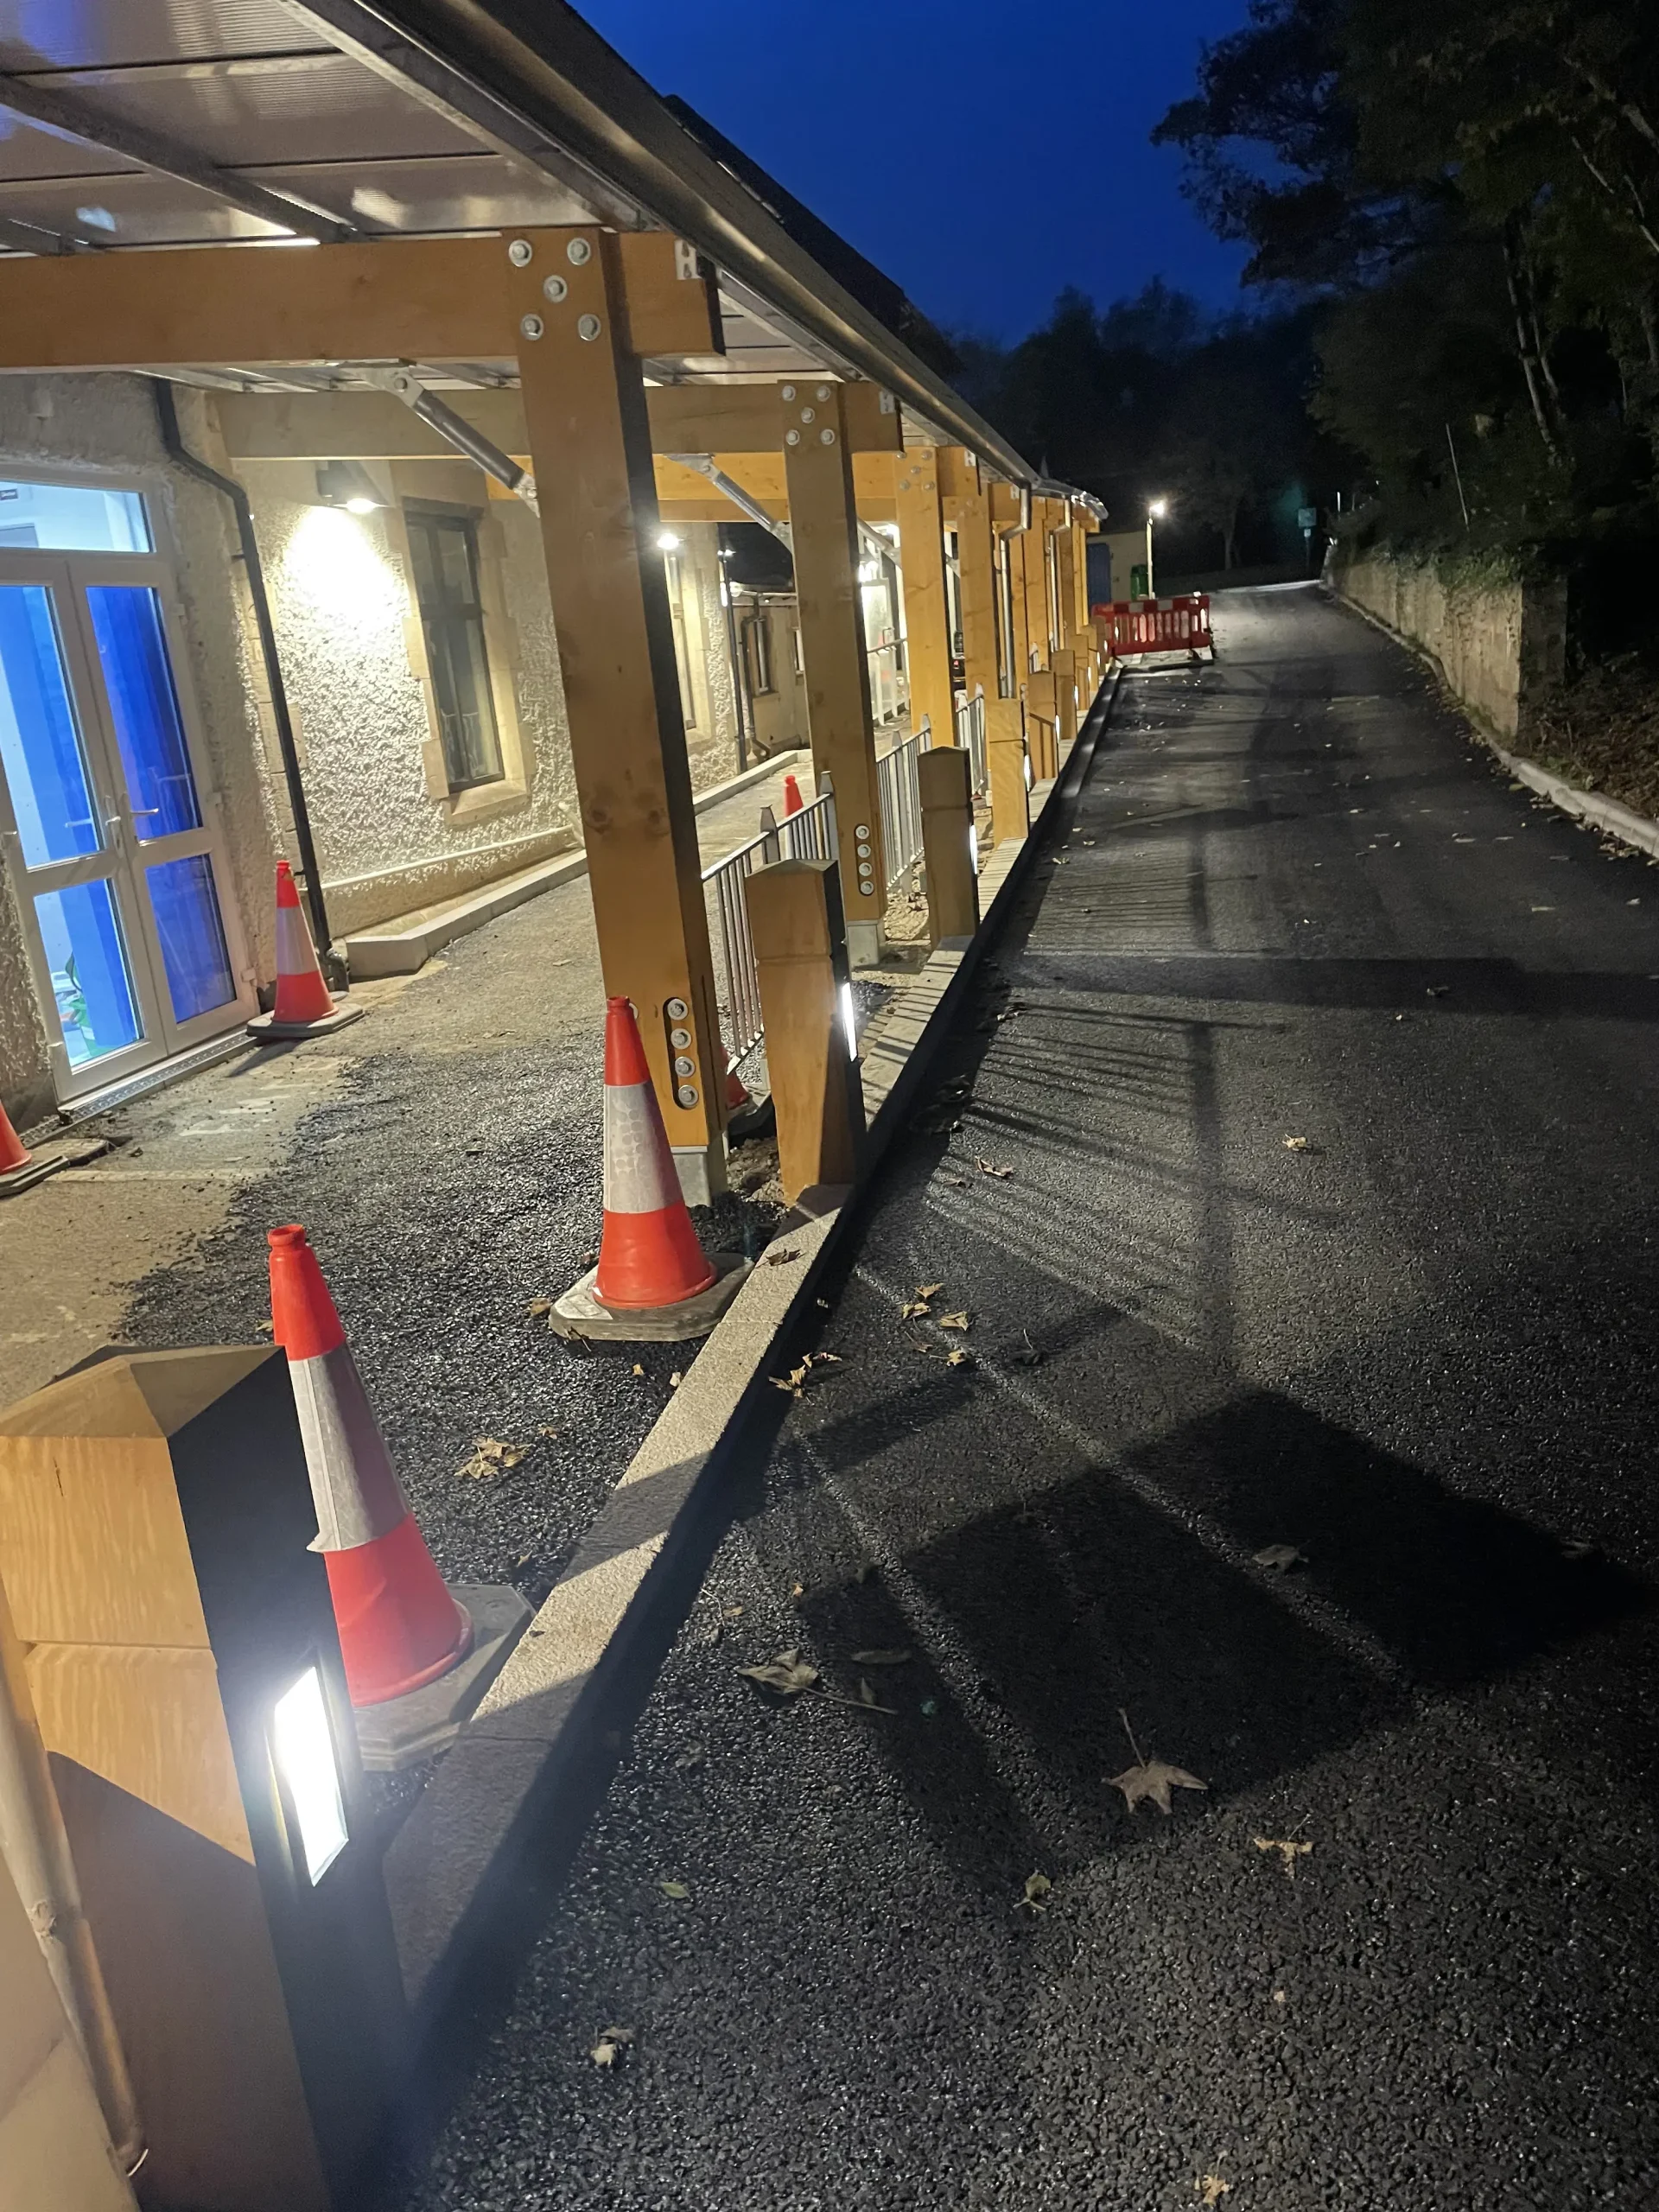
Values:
[(1156, 510)]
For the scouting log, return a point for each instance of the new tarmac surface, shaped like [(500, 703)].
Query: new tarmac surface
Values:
[(1294, 1169)]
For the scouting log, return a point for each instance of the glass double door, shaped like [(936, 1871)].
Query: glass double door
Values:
[(110, 837)]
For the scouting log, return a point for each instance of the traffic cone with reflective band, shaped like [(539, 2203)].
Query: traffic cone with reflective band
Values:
[(648, 1255), (301, 994), (14, 1154), (737, 1091), (792, 800), (399, 1627)]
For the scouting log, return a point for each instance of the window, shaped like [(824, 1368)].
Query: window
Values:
[(443, 552), (675, 582), (757, 652), (72, 519)]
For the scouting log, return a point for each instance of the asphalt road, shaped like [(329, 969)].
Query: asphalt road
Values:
[(1399, 1955)]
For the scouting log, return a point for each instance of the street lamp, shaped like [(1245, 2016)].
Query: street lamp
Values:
[(1156, 510)]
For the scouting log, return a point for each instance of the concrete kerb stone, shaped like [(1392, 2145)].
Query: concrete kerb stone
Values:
[(1594, 807), (449, 1869)]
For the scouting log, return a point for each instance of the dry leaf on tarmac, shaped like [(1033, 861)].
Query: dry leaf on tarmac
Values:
[(989, 1167), (898, 1657), (914, 1310), (787, 1673), (677, 1891), (956, 1321), (959, 1358), (866, 1694), (489, 1456), (794, 1381), (780, 1259), (929, 1289), (1290, 1853), (1278, 1557), (1211, 2188), (637, 1369), (613, 2042), (537, 1306), (1152, 1778), (1295, 1144), (1037, 1893)]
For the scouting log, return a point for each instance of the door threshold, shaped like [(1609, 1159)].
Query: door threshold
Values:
[(155, 1078)]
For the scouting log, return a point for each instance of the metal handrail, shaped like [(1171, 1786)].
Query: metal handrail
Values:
[(899, 788), (970, 735), (809, 834)]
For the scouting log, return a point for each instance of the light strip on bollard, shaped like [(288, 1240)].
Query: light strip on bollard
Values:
[(973, 847), (850, 1021), (304, 1748)]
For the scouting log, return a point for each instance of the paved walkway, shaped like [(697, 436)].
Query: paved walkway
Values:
[(1321, 1110), (444, 1153)]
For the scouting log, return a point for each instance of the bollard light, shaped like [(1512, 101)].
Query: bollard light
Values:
[(1028, 776), (668, 541), (303, 1746), (850, 1021), (973, 847)]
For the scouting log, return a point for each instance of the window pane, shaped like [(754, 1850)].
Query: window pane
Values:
[(139, 676), (73, 518), (445, 562), (40, 744), (91, 980), (185, 902)]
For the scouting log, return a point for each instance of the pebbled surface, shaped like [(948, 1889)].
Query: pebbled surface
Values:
[(1294, 901)]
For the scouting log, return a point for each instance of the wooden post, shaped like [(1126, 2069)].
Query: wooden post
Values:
[(1038, 639), (1040, 712), (927, 615), (796, 924), (818, 472), (1005, 744), (946, 776), (590, 450)]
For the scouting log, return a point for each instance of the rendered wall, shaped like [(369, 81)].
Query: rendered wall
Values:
[(1496, 643)]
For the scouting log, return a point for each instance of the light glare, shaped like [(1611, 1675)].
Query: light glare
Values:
[(850, 1021), (305, 1760), (667, 542)]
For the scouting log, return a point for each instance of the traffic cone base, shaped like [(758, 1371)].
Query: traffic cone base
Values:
[(653, 1278), (399, 1626), (21, 1169)]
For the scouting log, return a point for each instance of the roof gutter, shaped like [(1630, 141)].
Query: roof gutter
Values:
[(539, 59)]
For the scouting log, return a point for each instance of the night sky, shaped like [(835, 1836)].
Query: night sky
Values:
[(983, 153)]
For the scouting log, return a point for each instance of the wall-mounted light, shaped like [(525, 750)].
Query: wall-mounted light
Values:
[(304, 1749), (347, 484), (668, 541)]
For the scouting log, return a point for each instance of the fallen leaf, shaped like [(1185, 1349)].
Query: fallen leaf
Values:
[(1278, 1557), (1295, 1144), (1577, 1548), (637, 1369), (1211, 2188), (797, 1591), (989, 1167), (537, 1306), (780, 1258), (674, 1379), (914, 1311), (825, 1359), (899, 1658), (929, 1706), (1035, 1899), (1151, 1778), (675, 1890), (787, 1673), (929, 1289), (955, 1321), (489, 1456), (959, 1358), (692, 1756), (1437, 990), (1290, 1853), (866, 1694), (731, 1612), (612, 2043)]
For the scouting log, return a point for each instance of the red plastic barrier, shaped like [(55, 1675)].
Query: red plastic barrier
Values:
[(1157, 626)]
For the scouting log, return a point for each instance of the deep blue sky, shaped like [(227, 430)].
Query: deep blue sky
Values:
[(984, 152)]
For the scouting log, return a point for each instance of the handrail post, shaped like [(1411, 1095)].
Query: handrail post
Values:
[(944, 777), (807, 999)]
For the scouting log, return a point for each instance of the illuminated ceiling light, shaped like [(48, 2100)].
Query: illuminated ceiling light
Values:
[(347, 484)]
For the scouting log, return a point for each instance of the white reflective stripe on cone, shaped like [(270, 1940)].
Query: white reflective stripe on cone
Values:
[(357, 1496), (640, 1174), (295, 953)]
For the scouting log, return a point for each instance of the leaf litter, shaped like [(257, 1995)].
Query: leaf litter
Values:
[(1279, 1559), (490, 1457), (613, 2042), (1289, 1851), (1150, 1778), (1037, 1893)]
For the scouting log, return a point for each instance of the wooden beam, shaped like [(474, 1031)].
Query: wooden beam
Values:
[(1004, 742), (927, 613), (818, 469), (590, 447), (718, 418), (396, 299)]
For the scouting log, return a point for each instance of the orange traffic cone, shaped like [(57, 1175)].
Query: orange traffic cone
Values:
[(737, 1091), (399, 1626), (303, 1007), (14, 1154), (648, 1251), (792, 800)]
